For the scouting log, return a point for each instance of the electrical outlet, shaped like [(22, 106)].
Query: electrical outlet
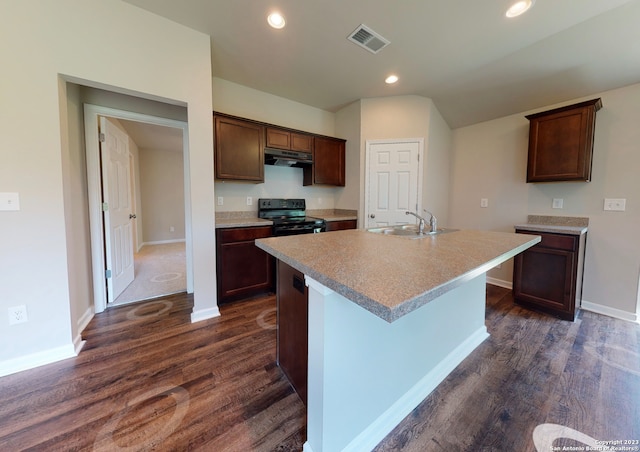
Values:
[(220, 200), (172, 229), (617, 204), (17, 314), (484, 202), (557, 203), (9, 201), (249, 200)]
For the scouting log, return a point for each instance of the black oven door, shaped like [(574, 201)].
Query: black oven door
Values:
[(279, 231)]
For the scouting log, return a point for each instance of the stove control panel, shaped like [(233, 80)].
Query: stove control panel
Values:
[(279, 203)]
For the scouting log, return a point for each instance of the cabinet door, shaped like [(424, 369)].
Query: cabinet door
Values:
[(328, 163), (293, 327), (243, 268), (341, 225), (278, 138), (561, 143), (239, 149), (301, 142), (545, 278)]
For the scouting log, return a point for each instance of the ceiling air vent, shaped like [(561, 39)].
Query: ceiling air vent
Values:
[(367, 38)]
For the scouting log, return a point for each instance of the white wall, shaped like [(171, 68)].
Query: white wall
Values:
[(490, 160), (162, 195), (348, 122), (280, 182), (411, 117), (43, 43)]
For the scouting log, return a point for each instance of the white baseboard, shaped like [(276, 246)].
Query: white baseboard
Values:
[(382, 426), (38, 359), (82, 323), (161, 242), (611, 312), (84, 320), (500, 283), (204, 314)]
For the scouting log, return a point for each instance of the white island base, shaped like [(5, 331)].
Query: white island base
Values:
[(366, 374)]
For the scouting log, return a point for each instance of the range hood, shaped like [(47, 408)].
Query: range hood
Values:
[(280, 157)]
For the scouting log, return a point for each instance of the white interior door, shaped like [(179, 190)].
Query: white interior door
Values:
[(116, 198), (393, 179)]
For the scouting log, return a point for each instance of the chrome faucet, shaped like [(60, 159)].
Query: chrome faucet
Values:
[(433, 221)]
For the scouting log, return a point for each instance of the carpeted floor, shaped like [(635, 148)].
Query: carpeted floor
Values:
[(159, 270)]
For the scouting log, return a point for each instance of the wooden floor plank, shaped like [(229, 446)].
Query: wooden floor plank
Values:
[(149, 379)]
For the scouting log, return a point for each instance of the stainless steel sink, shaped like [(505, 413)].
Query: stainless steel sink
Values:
[(408, 230)]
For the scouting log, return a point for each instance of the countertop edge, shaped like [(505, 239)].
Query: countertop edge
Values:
[(571, 230), (242, 223), (392, 314)]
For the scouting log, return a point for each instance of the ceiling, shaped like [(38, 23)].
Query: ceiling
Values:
[(465, 55), (151, 136)]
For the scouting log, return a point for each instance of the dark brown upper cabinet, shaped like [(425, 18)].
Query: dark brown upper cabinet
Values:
[(561, 143), (239, 149), (289, 140), (328, 163)]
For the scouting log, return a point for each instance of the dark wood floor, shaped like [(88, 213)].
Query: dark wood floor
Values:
[(148, 379)]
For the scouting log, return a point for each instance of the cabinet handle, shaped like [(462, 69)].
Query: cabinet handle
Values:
[(298, 284), (132, 216), (373, 215)]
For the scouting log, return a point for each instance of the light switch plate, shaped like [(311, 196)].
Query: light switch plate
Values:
[(9, 201), (617, 204)]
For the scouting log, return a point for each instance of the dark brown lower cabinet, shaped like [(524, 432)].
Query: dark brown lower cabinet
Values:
[(548, 276), (341, 225), (293, 327), (243, 269)]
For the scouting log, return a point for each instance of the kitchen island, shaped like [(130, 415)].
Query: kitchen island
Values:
[(389, 318)]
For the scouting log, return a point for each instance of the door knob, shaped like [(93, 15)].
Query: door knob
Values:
[(373, 215), (132, 216)]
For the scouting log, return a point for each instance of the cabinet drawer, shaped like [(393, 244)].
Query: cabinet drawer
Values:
[(555, 241), (243, 234)]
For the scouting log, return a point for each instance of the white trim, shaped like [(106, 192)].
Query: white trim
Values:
[(91, 114), (84, 320), (381, 427), (611, 312), (38, 359), (205, 314), (500, 283), (82, 323), (162, 242), (367, 161)]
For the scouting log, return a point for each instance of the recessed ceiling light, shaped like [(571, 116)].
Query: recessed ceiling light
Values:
[(391, 79), (519, 7), (276, 20)]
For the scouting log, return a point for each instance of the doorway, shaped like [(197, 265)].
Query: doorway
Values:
[(99, 244), (393, 181)]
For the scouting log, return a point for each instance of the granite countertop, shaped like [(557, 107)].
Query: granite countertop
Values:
[(392, 276), (555, 224), (239, 220)]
